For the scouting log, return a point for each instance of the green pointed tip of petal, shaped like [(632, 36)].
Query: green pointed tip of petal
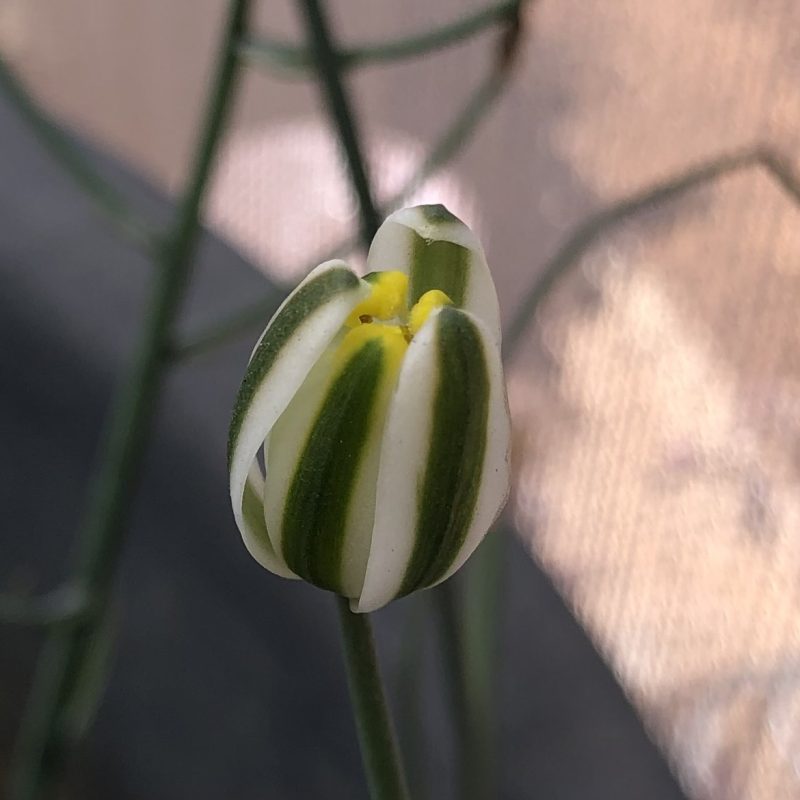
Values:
[(438, 214)]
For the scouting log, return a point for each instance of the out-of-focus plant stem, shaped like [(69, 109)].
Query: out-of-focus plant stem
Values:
[(408, 685), (375, 731), (62, 605), (588, 232), (105, 197), (326, 61), (472, 719), (299, 59), (45, 739)]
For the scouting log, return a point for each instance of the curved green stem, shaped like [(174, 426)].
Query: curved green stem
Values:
[(296, 58), (62, 605), (326, 61), (46, 737), (590, 230), (376, 736), (468, 621), (105, 197)]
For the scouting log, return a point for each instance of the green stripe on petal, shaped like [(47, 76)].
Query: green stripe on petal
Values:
[(438, 251), (323, 458), (449, 490), (443, 474), (294, 340), (438, 265)]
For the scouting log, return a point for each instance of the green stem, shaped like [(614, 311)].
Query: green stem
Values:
[(446, 604), (592, 228), (44, 741), (297, 58), (338, 103), (468, 622), (409, 688), (375, 732), (105, 197), (62, 605)]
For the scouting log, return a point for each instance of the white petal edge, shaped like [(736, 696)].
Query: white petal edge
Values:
[(275, 392), (256, 541)]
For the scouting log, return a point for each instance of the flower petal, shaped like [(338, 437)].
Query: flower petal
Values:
[(322, 462), (438, 251), (295, 338), (443, 476)]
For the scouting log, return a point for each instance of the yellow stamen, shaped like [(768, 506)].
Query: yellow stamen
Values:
[(386, 301), (391, 338), (424, 307)]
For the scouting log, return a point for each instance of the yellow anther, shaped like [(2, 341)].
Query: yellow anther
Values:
[(391, 338), (424, 307), (386, 301)]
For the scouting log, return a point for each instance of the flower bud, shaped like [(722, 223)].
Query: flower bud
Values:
[(380, 406)]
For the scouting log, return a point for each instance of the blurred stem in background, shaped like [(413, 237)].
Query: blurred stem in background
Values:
[(468, 608), (338, 105), (105, 197), (300, 60), (47, 737)]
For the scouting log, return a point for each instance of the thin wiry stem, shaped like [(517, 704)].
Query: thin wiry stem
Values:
[(62, 605), (298, 59), (408, 686), (45, 740), (130, 225), (474, 746), (455, 136), (339, 107), (591, 229)]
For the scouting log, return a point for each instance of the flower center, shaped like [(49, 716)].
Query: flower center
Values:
[(388, 303)]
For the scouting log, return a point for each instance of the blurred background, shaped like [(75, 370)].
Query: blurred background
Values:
[(651, 606)]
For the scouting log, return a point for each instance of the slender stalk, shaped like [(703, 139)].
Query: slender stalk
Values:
[(446, 604), (105, 197), (328, 72), (375, 731), (457, 134), (590, 230), (408, 687), (45, 740), (62, 605), (482, 607), (468, 622), (297, 58)]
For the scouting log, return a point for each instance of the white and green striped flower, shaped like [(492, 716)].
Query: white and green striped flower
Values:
[(380, 406)]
